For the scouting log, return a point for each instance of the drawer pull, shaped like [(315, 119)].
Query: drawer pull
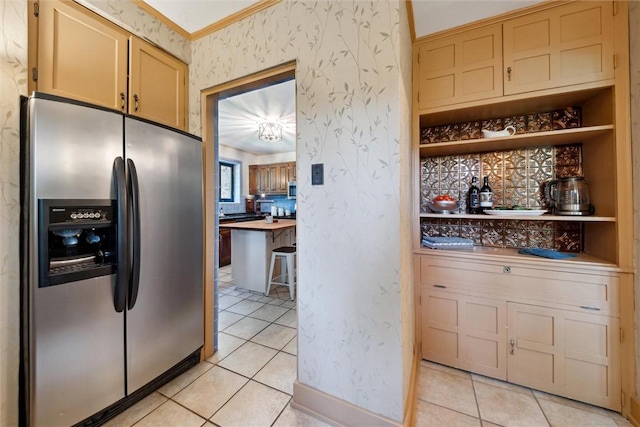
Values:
[(590, 308), (440, 286)]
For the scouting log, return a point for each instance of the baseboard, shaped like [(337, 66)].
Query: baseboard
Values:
[(410, 410), (634, 411), (335, 411)]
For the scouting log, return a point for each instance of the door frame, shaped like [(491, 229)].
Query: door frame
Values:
[(208, 114)]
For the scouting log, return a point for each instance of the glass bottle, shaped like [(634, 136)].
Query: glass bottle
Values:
[(473, 204), (486, 195)]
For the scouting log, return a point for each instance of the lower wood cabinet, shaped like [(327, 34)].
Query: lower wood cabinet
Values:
[(224, 251), (464, 331), (560, 335), (563, 352)]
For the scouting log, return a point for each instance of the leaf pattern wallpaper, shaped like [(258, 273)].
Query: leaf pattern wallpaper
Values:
[(353, 115), (13, 83)]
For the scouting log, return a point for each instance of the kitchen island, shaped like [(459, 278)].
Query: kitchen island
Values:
[(251, 246)]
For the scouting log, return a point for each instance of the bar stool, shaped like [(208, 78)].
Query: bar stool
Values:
[(286, 255)]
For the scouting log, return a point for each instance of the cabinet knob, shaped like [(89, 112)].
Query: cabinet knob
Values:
[(512, 344), (122, 100), (509, 73), (136, 100)]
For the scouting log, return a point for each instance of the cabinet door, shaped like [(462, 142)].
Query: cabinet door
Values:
[(253, 179), (562, 46), (272, 179), (292, 173), (283, 177), (224, 247), (464, 67), (263, 179), (158, 83), (564, 352), (464, 331), (81, 56)]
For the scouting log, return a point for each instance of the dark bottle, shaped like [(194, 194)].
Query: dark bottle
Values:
[(474, 197), (486, 195)]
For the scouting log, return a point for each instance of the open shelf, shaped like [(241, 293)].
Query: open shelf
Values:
[(545, 217), (527, 140)]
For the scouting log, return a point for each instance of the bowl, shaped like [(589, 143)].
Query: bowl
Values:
[(444, 206)]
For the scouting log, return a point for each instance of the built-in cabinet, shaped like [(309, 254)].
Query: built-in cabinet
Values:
[(562, 46), (555, 329), (83, 56), (553, 325), (271, 178)]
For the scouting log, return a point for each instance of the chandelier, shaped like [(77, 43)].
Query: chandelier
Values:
[(270, 131)]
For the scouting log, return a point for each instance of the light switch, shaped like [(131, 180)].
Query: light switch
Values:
[(317, 174)]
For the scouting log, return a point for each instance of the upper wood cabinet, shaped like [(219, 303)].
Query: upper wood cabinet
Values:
[(559, 46), (562, 46), (460, 68), (157, 85), (270, 178), (83, 56)]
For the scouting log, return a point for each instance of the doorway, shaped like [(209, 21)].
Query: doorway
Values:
[(210, 133)]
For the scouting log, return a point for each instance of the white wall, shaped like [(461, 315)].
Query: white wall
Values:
[(353, 116)]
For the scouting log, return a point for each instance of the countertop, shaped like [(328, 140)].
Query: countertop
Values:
[(260, 225)]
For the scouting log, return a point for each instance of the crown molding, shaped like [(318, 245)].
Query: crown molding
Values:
[(238, 16), (157, 14)]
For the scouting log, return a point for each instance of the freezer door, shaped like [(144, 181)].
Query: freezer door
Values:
[(76, 338), (165, 324)]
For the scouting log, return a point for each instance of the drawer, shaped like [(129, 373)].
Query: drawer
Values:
[(587, 291)]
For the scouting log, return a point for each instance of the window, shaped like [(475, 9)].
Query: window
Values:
[(227, 182)]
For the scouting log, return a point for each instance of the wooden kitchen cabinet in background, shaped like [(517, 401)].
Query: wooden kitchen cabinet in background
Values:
[(224, 248), (270, 178), (82, 56)]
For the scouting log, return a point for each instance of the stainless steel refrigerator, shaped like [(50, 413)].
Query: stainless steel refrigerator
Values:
[(111, 255)]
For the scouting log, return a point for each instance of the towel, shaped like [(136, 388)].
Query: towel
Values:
[(546, 253), (446, 242)]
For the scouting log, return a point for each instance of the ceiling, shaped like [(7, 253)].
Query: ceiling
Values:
[(239, 115)]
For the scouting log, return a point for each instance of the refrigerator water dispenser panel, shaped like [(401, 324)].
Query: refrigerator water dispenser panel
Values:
[(77, 240)]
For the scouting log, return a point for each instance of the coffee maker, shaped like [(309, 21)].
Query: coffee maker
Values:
[(569, 196)]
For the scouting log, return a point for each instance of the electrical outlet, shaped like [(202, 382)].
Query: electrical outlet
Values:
[(317, 174)]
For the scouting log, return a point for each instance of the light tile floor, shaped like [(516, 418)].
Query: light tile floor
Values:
[(249, 382)]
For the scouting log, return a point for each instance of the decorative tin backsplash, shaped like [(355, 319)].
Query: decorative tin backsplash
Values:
[(516, 177)]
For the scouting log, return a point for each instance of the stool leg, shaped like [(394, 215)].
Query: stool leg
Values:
[(291, 272), (270, 278)]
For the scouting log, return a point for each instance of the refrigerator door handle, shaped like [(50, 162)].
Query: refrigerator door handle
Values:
[(134, 281), (120, 293)]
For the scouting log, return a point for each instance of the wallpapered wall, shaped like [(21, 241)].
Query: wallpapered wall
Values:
[(13, 83), (353, 109), (326, 227), (353, 84)]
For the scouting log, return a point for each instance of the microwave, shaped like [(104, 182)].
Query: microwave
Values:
[(291, 190)]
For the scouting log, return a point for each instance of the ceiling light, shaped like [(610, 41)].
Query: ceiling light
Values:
[(270, 131)]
